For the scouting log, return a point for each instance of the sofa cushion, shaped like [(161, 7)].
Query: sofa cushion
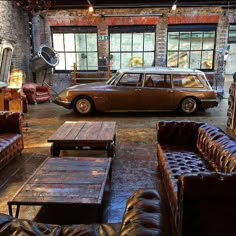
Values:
[(171, 132)]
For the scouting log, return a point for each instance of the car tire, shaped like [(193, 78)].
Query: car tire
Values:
[(189, 106), (84, 106)]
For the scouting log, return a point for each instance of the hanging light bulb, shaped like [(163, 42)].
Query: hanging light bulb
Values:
[(174, 6), (91, 9)]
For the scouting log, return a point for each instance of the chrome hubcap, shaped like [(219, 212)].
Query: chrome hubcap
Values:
[(189, 105), (83, 106)]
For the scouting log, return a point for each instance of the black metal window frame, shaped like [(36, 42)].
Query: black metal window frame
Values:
[(74, 30), (192, 29), (132, 29)]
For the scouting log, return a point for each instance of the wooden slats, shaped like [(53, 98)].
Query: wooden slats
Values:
[(84, 131), (72, 180)]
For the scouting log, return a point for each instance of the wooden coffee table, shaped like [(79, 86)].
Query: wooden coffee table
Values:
[(75, 135), (65, 181)]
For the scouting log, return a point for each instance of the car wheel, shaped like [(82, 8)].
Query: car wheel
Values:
[(83, 106), (189, 106)]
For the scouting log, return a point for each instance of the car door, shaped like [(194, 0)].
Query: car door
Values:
[(125, 93), (158, 94)]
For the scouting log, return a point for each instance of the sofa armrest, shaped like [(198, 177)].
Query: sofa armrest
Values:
[(144, 215), (207, 204), (177, 132), (11, 122)]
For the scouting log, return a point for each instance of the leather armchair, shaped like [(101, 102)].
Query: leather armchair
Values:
[(36, 93)]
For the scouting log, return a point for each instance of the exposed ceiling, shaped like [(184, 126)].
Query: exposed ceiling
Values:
[(141, 3)]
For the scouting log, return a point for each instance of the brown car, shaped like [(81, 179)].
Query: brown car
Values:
[(142, 89)]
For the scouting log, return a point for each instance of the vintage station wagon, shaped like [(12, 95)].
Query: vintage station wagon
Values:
[(142, 89)]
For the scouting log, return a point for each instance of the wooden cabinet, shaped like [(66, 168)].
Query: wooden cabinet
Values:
[(231, 113)]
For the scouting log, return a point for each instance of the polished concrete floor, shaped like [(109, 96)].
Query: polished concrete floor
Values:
[(134, 166)]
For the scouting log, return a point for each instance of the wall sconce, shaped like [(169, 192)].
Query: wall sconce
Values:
[(174, 6), (91, 8)]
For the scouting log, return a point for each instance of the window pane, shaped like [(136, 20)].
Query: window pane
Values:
[(125, 60), (138, 42), (184, 43), (183, 60), (208, 40), (129, 80), (191, 81), (149, 41), (148, 59), (70, 60), (115, 62), (61, 64), (232, 33), (207, 60), (172, 59), (91, 42), (80, 42), (196, 43), (92, 61), (58, 44), (115, 42), (126, 42), (195, 59), (69, 42), (81, 61), (173, 41)]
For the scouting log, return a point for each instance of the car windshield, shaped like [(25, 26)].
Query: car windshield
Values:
[(113, 78)]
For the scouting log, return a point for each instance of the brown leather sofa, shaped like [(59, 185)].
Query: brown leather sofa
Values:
[(11, 137), (36, 93), (143, 217), (197, 163)]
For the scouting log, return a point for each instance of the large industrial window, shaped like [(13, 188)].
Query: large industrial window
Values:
[(191, 46), (76, 45), (131, 46), (232, 33)]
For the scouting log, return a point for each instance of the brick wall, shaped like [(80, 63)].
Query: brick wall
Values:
[(14, 27), (75, 17)]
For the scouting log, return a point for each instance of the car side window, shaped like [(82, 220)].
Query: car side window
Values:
[(130, 79), (187, 81), (157, 80)]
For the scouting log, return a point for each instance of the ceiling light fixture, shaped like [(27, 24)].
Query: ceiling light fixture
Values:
[(174, 6), (91, 8)]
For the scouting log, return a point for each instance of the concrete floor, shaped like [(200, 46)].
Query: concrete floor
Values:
[(134, 165)]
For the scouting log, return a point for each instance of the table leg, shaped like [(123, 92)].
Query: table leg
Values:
[(55, 151), (17, 211), (10, 209), (110, 149)]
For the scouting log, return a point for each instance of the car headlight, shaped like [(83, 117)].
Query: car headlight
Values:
[(63, 95)]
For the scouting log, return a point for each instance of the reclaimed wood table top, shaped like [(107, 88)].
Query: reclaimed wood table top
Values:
[(70, 180), (85, 131)]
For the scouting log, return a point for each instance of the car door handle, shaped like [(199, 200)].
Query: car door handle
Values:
[(170, 91), (138, 89)]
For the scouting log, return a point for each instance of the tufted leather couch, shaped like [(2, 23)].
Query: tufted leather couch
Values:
[(143, 217), (197, 162), (36, 93), (11, 138)]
